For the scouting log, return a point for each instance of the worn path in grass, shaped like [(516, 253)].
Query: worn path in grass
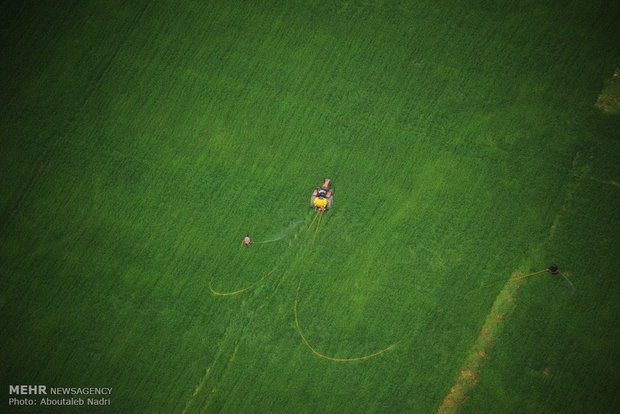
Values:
[(504, 304), (468, 376)]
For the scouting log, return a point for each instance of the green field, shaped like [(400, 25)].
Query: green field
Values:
[(141, 142)]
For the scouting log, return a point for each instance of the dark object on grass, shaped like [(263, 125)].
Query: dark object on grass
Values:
[(553, 269)]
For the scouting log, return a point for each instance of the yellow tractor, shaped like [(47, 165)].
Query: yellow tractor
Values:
[(323, 197)]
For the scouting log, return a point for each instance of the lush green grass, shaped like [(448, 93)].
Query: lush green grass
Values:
[(142, 142)]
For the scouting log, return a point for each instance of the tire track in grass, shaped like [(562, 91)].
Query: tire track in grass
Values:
[(217, 367), (235, 346), (221, 371), (610, 182), (237, 341), (197, 390), (47, 154), (207, 374), (229, 359), (580, 172)]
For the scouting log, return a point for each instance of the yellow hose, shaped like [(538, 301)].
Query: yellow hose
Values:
[(330, 358)]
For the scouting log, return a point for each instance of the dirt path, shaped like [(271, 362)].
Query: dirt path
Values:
[(493, 324)]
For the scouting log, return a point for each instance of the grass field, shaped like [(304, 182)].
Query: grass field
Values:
[(140, 143)]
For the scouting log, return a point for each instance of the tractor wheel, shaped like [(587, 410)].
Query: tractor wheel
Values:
[(312, 201), (330, 201)]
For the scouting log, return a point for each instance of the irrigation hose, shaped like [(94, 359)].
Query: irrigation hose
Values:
[(242, 290), (330, 358), (317, 227), (315, 216), (531, 274)]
